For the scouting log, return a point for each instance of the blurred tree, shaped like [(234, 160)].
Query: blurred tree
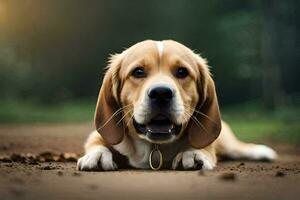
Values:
[(56, 50), (271, 76), (280, 55)]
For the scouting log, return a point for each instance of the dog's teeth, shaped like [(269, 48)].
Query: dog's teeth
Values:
[(149, 130)]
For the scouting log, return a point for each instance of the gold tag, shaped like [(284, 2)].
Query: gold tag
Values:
[(160, 158)]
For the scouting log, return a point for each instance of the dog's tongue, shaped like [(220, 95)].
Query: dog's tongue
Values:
[(159, 127)]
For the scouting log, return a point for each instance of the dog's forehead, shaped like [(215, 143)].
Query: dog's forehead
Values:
[(157, 51)]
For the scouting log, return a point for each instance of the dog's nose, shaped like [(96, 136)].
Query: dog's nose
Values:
[(161, 94)]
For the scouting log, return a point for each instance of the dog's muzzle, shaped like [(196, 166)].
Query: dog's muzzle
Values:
[(160, 127)]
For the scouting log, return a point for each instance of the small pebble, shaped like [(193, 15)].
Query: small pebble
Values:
[(201, 173), (93, 187), (76, 174), (229, 176), (60, 173), (47, 167), (280, 174)]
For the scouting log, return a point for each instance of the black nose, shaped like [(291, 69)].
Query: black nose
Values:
[(161, 94)]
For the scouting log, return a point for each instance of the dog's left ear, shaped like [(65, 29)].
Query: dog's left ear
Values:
[(108, 115), (205, 126)]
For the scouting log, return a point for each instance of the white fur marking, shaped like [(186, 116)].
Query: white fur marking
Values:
[(125, 147), (140, 158), (253, 152), (160, 48), (259, 152)]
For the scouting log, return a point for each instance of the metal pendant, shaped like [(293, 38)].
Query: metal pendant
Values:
[(155, 150)]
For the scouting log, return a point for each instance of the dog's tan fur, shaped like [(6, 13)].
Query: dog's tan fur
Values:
[(120, 91)]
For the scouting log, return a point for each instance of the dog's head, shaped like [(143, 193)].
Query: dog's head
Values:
[(158, 91)]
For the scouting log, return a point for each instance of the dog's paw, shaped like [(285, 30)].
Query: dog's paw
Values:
[(261, 152), (97, 159), (193, 159)]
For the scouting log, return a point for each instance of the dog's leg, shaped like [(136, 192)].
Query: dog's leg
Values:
[(228, 145), (97, 155), (194, 159)]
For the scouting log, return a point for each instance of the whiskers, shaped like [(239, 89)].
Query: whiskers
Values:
[(200, 113), (189, 114), (115, 114), (123, 117)]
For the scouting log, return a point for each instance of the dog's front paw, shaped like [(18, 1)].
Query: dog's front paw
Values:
[(194, 159), (97, 159)]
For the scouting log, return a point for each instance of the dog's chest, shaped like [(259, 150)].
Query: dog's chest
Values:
[(143, 149)]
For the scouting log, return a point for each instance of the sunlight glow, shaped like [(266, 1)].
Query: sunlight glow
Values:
[(2, 11)]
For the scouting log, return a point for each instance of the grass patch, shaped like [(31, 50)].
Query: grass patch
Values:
[(30, 112), (251, 123)]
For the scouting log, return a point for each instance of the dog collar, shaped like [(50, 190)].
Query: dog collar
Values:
[(151, 156)]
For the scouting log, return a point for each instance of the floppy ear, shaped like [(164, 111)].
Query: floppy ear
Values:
[(205, 126), (107, 114)]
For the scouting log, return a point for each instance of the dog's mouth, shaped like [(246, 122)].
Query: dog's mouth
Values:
[(158, 128)]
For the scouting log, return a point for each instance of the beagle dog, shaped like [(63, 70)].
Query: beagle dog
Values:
[(157, 107)]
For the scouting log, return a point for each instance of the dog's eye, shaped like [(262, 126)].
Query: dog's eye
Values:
[(181, 72), (139, 72)]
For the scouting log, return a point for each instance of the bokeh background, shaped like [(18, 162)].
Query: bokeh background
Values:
[(52, 56)]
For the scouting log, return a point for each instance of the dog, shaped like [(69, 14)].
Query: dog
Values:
[(158, 107)]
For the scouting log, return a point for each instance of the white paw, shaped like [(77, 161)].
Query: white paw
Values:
[(193, 159), (261, 152), (97, 159)]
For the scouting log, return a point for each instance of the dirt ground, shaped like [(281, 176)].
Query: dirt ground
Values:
[(60, 180)]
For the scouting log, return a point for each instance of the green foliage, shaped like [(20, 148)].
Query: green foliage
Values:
[(16, 111), (250, 122), (58, 51)]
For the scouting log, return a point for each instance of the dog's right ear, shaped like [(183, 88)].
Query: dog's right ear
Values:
[(206, 126), (108, 113)]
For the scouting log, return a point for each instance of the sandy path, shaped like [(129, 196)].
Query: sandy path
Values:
[(230, 180)]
